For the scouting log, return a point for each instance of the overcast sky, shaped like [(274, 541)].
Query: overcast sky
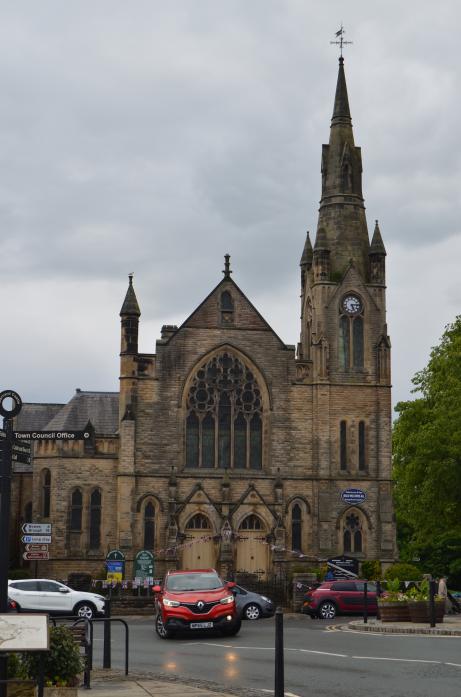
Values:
[(153, 137)]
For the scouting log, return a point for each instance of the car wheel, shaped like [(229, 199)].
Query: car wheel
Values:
[(160, 628), (327, 610), (252, 612), (85, 610)]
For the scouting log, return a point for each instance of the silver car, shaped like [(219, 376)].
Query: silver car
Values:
[(252, 606)]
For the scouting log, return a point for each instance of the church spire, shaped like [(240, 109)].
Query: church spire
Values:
[(130, 314), (341, 107), (342, 210)]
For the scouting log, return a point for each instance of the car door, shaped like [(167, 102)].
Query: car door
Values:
[(26, 594), (55, 597), (346, 596), (371, 595)]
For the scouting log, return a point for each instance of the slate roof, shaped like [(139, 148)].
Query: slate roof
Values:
[(35, 416), (101, 408)]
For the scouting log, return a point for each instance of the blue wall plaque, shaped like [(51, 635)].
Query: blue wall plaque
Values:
[(353, 496)]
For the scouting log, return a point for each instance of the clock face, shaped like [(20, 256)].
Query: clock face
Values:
[(352, 304)]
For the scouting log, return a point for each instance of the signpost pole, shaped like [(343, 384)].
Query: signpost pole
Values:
[(5, 504)]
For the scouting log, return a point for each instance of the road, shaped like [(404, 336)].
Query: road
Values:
[(321, 659)]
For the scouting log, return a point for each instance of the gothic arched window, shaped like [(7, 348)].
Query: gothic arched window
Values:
[(351, 342), (251, 522), (149, 526), (76, 503), (296, 528), (95, 519), (352, 534), (46, 493), (224, 425), (343, 445), (198, 522)]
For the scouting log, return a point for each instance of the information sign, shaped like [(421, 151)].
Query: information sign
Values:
[(115, 565), (144, 564), (36, 548), (343, 567), (50, 435), (353, 496)]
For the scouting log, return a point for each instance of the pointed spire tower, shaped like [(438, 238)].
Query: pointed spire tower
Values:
[(342, 212), (130, 314)]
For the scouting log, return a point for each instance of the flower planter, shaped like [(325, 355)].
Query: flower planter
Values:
[(55, 691), (394, 611), (21, 690), (420, 611)]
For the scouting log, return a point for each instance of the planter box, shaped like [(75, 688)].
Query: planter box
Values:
[(60, 692), (420, 611), (21, 690), (394, 611)]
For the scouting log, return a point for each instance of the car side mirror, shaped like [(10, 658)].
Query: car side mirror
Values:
[(231, 585), (157, 589)]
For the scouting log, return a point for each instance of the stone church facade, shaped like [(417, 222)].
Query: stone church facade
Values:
[(226, 447)]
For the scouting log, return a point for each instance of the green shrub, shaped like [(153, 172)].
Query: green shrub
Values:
[(16, 668), (404, 571), (371, 569), (62, 664)]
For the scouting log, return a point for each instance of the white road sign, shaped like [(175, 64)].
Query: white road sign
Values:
[(38, 539), (37, 528)]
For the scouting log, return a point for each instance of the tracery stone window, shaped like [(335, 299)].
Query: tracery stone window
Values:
[(224, 416), (149, 526), (95, 519), (251, 522), (352, 534), (198, 522), (76, 504)]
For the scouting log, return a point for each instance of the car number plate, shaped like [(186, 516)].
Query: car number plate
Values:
[(201, 625)]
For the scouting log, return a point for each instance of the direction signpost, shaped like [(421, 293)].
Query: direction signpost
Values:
[(39, 539), (37, 528), (36, 556)]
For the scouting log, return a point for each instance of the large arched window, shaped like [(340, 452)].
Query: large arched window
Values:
[(296, 528), (149, 526), (352, 534), (362, 446), (198, 522), (251, 522), (224, 416), (95, 519), (351, 342), (76, 503), (46, 493)]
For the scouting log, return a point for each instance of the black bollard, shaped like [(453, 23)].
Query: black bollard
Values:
[(107, 638), (432, 592), (279, 685), (365, 602)]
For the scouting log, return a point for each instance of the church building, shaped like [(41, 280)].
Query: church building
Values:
[(227, 447)]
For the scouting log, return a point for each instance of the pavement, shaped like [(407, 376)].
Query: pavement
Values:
[(115, 684)]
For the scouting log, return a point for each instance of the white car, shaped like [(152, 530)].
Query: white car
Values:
[(45, 595)]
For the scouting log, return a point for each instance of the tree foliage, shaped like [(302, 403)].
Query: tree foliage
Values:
[(427, 453)]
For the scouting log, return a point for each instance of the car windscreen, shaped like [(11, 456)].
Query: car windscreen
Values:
[(193, 582)]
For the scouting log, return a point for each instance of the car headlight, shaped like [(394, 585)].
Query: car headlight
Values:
[(171, 603), (266, 600), (227, 600)]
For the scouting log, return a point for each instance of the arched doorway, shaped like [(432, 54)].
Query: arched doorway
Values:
[(198, 553), (252, 552)]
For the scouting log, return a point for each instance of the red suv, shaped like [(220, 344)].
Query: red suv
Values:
[(341, 596), (195, 600)]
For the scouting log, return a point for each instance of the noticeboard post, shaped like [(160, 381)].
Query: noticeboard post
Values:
[(115, 565)]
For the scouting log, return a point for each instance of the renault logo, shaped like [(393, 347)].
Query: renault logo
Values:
[(200, 605)]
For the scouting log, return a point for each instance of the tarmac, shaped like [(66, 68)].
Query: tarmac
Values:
[(115, 684)]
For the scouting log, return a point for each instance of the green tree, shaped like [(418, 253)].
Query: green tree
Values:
[(427, 458)]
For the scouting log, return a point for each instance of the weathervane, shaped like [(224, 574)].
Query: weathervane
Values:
[(339, 34)]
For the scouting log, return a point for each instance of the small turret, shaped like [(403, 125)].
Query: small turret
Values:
[(321, 257), (306, 260), (130, 314), (377, 257)]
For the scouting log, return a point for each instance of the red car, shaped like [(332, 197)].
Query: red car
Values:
[(195, 600), (339, 597)]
